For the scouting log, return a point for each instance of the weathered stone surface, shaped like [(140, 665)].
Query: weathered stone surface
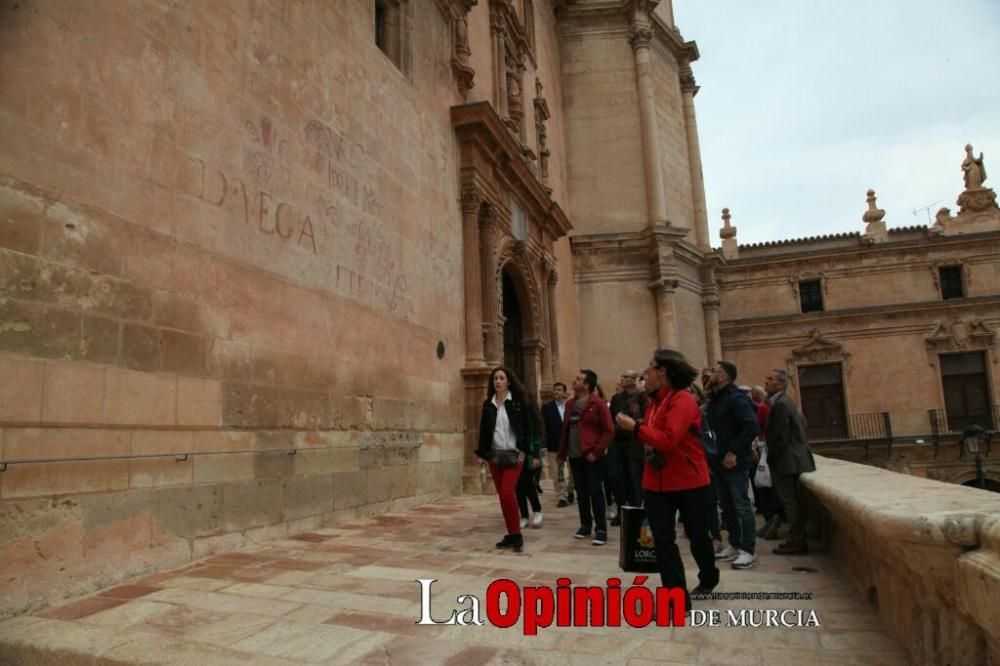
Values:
[(307, 496), (906, 544), (21, 390), (190, 512), (21, 216), (184, 354), (251, 504), (141, 347), (74, 393), (38, 330)]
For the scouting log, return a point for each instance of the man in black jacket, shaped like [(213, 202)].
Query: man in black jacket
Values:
[(788, 456), (553, 415), (731, 417)]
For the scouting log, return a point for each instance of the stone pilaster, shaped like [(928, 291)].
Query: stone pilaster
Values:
[(471, 205), (640, 37), (491, 289), (666, 322), (713, 339), (688, 90)]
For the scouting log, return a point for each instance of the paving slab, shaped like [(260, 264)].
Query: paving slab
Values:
[(348, 594)]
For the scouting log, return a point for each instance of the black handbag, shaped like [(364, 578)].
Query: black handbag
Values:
[(637, 552), (507, 457)]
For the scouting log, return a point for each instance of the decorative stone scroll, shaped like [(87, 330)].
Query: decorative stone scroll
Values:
[(541, 134), (456, 13), (819, 349), (959, 335)]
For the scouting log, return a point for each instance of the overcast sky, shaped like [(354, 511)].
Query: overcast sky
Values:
[(805, 104)]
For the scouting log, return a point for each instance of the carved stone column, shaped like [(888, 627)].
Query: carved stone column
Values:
[(550, 290), (532, 362), (546, 327), (688, 90), (666, 324), (471, 203), (713, 339), (500, 67), (491, 294), (640, 37)]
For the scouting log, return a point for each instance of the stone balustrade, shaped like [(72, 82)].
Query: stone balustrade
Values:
[(926, 554)]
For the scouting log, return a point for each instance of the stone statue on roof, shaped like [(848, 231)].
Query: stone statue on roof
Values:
[(975, 198), (973, 169)]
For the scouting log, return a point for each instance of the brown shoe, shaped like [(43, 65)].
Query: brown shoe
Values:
[(790, 548)]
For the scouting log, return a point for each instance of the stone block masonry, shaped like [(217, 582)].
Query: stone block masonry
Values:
[(209, 245)]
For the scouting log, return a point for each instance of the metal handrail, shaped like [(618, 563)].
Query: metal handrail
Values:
[(179, 456)]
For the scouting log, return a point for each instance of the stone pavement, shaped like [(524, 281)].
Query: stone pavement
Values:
[(347, 594)]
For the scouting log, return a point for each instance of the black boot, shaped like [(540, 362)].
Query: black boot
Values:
[(518, 542), (507, 541)]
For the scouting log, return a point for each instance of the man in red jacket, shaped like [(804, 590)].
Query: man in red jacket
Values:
[(587, 432), (676, 474)]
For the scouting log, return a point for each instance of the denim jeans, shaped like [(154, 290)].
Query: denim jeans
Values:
[(734, 494)]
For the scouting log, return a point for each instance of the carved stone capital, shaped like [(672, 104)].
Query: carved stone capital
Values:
[(688, 83), (640, 36), (471, 200), (663, 286)]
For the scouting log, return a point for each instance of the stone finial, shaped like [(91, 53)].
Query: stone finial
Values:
[(730, 248), (875, 232), (727, 230), (873, 214)]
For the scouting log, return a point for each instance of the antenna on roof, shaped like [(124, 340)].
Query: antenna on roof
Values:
[(927, 209)]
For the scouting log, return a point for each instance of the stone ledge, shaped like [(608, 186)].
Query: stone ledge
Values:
[(926, 553)]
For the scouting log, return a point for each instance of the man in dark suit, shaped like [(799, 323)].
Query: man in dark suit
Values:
[(788, 456), (553, 414)]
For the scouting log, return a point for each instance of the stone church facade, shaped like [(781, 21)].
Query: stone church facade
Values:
[(257, 258)]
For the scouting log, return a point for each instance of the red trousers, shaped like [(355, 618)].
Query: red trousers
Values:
[(505, 481)]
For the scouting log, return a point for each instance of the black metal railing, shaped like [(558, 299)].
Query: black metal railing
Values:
[(945, 423), (857, 430)]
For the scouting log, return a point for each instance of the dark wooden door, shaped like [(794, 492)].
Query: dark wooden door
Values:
[(513, 329), (966, 391), (823, 401)]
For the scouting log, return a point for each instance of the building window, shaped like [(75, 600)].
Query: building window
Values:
[(391, 31), (811, 295), (951, 282), (821, 389), (966, 390)]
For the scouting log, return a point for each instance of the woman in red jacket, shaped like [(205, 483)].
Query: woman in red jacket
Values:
[(675, 477)]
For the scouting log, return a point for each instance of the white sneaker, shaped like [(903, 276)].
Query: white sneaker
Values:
[(744, 560), (536, 520), (726, 554), (524, 523)]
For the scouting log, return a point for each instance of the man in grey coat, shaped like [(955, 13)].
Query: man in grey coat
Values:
[(788, 456)]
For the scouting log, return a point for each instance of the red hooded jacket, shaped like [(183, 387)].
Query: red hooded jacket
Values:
[(672, 426), (596, 429)]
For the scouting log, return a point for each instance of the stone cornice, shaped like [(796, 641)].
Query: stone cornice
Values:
[(735, 278), (598, 18), (484, 136), (924, 311)]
